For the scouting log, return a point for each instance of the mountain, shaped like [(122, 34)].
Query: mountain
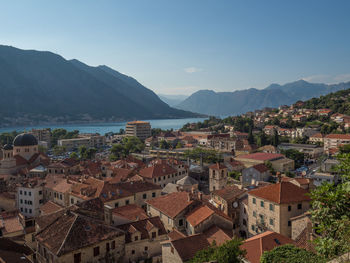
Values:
[(241, 101), (40, 86), (172, 100)]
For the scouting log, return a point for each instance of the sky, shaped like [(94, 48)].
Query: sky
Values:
[(179, 47)]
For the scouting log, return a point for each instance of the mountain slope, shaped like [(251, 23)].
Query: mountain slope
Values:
[(40, 86), (172, 100), (241, 101)]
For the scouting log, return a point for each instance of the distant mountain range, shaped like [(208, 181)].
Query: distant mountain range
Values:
[(241, 101), (37, 86), (172, 100)]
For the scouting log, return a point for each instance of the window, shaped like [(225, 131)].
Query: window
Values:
[(107, 247), (253, 227), (254, 201), (61, 196), (25, 210), (244, 222), (72, 201), (113, 244), (40, 192), (146, 248), (154, 234), (244, 211), (181, 222), (20, 192), (127, 202), (116, 204), (30, 193), (132, 252), (300, 206), (21, 201), (254, 213), (25, 192), (96, 251), (271, 222), (30, 211), (289, 208), (41, 201), (289, 223), (153, 194), (136, 238), (262, 203), (144, 196), (77, 258), (272, 208)]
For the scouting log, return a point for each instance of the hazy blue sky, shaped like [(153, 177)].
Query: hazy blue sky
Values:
[(178, 47)]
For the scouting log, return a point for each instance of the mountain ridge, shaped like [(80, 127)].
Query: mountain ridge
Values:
[(41, 86), (240, 101)]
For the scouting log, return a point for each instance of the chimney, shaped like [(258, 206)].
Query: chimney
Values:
[(108, 214)]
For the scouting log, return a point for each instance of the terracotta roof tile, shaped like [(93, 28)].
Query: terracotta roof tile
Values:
[(157, 170), (229, 192), (199, 214), (261, 167), (257, 245), (217, 234), (131, 212), (338, 136), (218, 166), (261, 156), (187, 247), (50, 207), (281, 193), (171, 204), (175, 234)]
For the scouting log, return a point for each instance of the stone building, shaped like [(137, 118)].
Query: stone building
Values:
[(217, 176), (272, 207)]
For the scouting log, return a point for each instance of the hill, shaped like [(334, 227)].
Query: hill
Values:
[(172, 100), (241, 101), (40, 87)]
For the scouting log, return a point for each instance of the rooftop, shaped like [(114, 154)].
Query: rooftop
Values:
[(281, 193), (261, 156)]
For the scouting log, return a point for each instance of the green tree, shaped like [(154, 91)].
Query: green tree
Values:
[(250, 136), (164, 144), (229, 252), (58, 150), (74, 155), (42, 149), (275, 140), (290, 254), (331, 214), (90, 153), (82, 152), (295, 155), (208, 155), (179, 145)]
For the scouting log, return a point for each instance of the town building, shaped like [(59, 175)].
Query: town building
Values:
[(278, 161), (272, 207), (255, 173), (335, 141), (310, 151), (217, 176), (30, 196), (43, 136), (87, 140), (140, 129)]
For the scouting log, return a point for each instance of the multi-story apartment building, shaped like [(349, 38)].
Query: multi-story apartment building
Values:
[(272, 207), (87, 140), (140, 129), (30, 196), (335, 140)]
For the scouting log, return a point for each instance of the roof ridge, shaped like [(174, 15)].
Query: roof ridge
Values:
[(65, 238)]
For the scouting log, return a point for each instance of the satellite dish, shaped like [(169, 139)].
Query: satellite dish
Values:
[(235, 204)]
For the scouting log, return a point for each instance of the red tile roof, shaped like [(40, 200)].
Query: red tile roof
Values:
[(187, 247), (176, 234), (131, 212), (338, 136), (317, 135), (217, 234), (257, 245), (281, 193), (171, 204), (261, 167), (157, 170), (218, 166), (199, 215), (229, 192), (50, 207), (261, 156)]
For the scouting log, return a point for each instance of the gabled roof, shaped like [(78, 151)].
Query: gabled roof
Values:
[(217, 234), (187, 180), (199, 214), (171, 204), (130, 212), (257, 245), (72, 231), (229, 192), (218, 166), (157, 170), (281, 193), (145, 227), (187, 247), (261, 167), (50, 207)]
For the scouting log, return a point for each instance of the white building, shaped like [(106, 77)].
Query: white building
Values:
[(30, 197)]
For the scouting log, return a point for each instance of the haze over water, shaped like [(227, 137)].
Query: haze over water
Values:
[(103, 128)]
